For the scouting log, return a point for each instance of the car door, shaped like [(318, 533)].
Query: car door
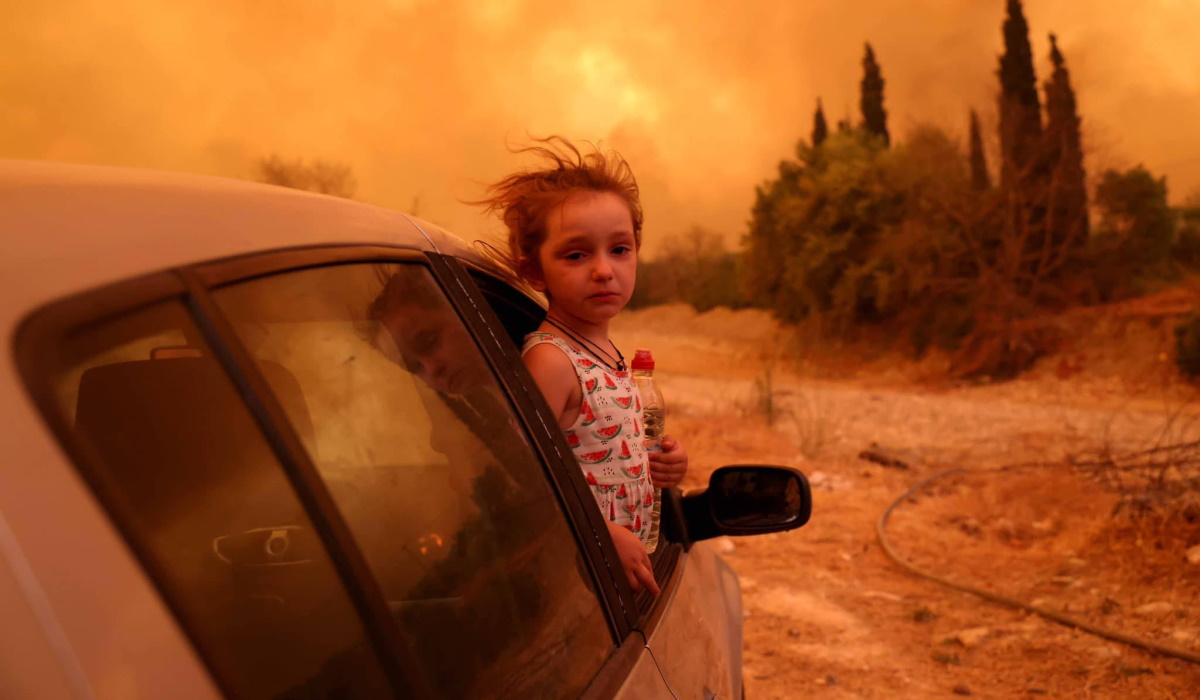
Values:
[(324, 510), (695, 635)]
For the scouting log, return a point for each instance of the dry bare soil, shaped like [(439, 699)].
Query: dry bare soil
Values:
[(829, 615)]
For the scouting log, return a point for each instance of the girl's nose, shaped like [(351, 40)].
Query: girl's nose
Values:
[(432, 368), (602, 270)]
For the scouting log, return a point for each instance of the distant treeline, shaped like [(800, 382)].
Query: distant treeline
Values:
[(323, 176), (922, 238), (693, 268)]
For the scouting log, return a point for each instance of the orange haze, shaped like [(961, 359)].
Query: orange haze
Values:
[(420, 96)]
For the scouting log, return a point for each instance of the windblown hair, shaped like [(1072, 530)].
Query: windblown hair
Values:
[(524, 200)]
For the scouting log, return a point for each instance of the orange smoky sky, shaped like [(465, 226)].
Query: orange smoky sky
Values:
[(703, 97)]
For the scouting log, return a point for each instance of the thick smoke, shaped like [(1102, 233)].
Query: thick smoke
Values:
[(422, 96)]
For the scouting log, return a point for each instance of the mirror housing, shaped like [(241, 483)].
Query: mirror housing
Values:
[(748, 499)]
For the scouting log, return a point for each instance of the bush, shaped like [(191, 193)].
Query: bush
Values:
[(902, 240), (1186, 251), (1187, 346), (694, 268), (325, 177), (1133, 243)]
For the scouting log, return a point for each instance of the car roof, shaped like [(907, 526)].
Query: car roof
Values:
[(68, 228)]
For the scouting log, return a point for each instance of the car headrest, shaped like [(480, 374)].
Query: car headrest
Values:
[(170, 430)]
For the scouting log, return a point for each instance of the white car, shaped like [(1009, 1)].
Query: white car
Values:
[(269, 444)]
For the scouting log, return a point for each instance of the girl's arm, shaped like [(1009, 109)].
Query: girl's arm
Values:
[(555, 376)]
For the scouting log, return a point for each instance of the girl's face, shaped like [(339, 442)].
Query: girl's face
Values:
[(588, 262), (434, 345)]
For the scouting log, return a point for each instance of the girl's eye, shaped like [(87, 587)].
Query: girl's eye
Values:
[(574, 256), (621, 250), (426, 342)]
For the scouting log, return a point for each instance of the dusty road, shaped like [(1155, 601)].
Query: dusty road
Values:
[(829, 615)]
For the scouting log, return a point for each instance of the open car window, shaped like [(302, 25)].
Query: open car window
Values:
[(520, 316), (420, 448)]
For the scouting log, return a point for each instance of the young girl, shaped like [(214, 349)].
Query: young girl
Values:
[(574, 230)]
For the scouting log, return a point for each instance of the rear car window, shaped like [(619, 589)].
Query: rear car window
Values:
[(407, 424), (177, 456)]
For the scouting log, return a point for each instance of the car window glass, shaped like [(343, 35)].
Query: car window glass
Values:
[(421, 450), (180, 459)]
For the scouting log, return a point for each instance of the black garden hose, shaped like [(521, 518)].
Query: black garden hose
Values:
[(1007, 601)]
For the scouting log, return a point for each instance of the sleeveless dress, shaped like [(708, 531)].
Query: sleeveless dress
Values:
[(607, 437)]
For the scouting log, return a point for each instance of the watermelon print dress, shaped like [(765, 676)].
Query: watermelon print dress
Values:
[(607, 437)]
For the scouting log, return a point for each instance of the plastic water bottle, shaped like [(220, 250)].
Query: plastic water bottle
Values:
[(654, 417)]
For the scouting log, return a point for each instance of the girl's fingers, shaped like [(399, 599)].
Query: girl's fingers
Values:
[(666, 476), (640, 574), (646, 576), (665, 468), (667, 457)]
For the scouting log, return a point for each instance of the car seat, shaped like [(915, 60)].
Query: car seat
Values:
[(184, 461)]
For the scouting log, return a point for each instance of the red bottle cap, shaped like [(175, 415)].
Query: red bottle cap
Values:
[(642, 359)]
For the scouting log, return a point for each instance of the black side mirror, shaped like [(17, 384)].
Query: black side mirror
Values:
[(748, 500)]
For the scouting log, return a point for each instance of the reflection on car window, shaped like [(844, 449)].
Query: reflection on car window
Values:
[(421, 451), (180, 456)]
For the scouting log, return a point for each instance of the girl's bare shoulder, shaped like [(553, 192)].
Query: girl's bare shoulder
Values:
[(549, 359)]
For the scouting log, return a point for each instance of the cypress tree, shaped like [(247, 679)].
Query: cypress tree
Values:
[(820, 130), (1064, 149), (979, 172), (1020, 109), (871, 101), (1024, 167)]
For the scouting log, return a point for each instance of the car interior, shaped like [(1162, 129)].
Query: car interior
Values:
[(251, 565)]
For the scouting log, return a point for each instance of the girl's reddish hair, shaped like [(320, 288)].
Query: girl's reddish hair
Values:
[(524, 200)]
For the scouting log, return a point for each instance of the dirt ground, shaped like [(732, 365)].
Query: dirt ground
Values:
[(829, 615)]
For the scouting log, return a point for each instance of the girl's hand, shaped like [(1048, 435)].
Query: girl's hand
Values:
[(668, 467), (634, 559)]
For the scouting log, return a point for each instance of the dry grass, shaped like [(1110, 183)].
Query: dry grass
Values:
[(814, 420)]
